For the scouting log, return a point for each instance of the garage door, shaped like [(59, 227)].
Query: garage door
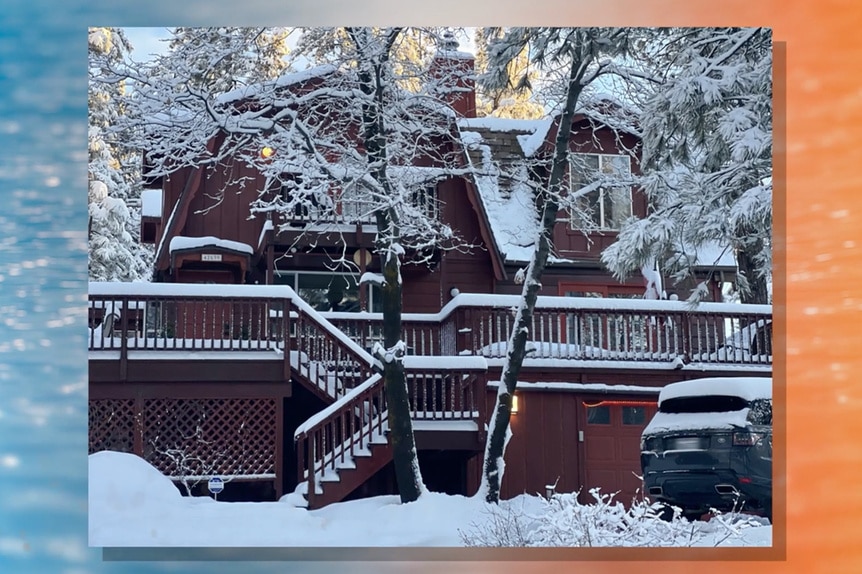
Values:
[(611, 436)]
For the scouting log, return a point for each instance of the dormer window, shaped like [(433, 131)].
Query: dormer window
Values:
[(607, 206)]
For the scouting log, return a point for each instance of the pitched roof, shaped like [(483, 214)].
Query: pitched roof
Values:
[(494, 149)]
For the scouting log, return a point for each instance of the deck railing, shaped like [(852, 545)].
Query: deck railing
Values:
[(584, 329), (174, 318), (146, 317)]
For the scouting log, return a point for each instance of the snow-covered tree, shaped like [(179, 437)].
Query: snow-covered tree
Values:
[(346, 141), (515, 98), (578, 57), (113, 172), (707, 159), (220, 59)]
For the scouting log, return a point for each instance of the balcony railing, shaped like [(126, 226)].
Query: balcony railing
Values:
[(584, 329), (251, 318)]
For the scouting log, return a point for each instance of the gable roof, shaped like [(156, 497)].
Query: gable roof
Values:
[(494, 149)]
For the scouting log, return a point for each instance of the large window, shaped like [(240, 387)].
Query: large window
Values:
[(607, 206), (330, 291)]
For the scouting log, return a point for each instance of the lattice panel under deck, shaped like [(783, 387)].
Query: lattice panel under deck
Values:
[(192, 437), (111, 425)]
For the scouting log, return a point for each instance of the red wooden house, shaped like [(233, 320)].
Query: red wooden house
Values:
[(273, 388)]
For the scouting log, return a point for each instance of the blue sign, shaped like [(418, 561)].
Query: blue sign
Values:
[(216, 485)]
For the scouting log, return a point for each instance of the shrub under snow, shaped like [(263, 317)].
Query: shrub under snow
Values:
[(563, 521)]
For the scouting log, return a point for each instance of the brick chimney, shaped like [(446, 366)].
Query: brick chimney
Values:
[(455, 75)]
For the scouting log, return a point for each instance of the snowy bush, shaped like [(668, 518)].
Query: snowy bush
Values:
[(563, 521)]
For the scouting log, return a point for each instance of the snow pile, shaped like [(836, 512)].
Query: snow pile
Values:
[(132, 504)]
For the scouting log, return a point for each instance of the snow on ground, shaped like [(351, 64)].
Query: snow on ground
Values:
[(133, 504)]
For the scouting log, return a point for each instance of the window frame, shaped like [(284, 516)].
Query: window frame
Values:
[(602, 223)]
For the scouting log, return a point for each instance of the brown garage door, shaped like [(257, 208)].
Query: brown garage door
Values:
[(611, 436)]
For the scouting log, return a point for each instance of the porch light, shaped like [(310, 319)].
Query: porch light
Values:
[(267, 152), (454, 292), (514, 404)]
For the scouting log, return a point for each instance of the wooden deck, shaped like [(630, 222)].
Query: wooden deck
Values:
[(167, 360)]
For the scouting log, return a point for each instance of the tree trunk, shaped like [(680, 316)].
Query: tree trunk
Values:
[(400, 425), (516, 350), (756, 290), (400, 436)]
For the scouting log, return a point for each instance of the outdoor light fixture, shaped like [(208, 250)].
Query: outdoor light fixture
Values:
[(454, 292), (267, 152), (514, 404)]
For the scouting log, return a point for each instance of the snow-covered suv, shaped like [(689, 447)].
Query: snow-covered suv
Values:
[(710, 446)]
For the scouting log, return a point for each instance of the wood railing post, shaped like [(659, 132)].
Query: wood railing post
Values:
[(285, 337), (124, 342), (687, 345), (309, 443)]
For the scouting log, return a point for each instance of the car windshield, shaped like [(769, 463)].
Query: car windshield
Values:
[(703, 404)]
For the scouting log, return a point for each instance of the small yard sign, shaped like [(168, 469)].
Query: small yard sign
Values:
[(216, 485)]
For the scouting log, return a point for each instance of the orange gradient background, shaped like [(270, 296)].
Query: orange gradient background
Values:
[(818, 275)]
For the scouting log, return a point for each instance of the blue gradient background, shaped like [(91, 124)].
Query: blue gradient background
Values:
[(43, 416)]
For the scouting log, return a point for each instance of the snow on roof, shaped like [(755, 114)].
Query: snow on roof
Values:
[(180, 242), (578, 387), (713, 255), (530, 144), (501, 124), (267, 226), (285, 80), (748, 388), (506, 197), (151, 203), (530, 133), (455, 55)]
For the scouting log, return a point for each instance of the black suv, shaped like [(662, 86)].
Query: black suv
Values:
[(710, 446)]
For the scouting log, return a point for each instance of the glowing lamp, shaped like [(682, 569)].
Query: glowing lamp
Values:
[(267, 152), (514, 404)]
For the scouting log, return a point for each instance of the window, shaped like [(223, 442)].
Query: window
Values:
[(425, 201), (703, 404), (329, 291), (634, 415), (606, 207), (599, 415)]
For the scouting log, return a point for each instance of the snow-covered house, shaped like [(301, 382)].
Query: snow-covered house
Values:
[(283, 365)]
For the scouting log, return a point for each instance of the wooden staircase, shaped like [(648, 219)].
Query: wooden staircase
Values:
[(345, 444)]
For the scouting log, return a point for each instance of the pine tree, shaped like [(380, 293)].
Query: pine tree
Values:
[(113, 171), (515, 98), (707, 158)]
